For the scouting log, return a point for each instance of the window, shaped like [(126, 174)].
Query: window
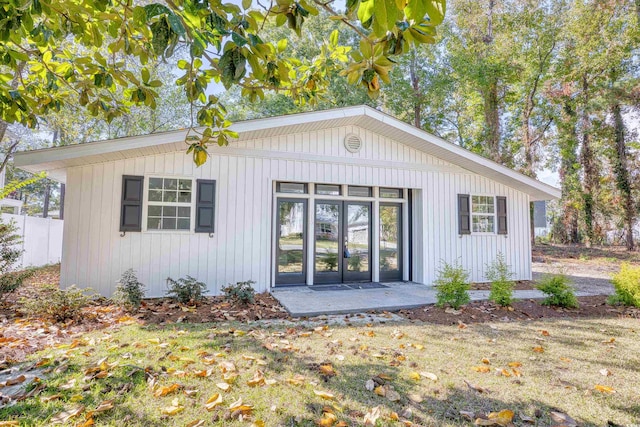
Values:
[(328, 190), (483, 216), (291, 187), (391, 193), (360, 191), (169, 204)]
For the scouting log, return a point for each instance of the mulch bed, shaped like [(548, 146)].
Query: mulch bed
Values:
[(521, 285), (212, 309), (484, 311)]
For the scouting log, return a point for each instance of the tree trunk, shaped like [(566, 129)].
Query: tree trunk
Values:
[(589, 168), (417, 96), (621, 169), (569, 180), (47, 196), (491, 102)]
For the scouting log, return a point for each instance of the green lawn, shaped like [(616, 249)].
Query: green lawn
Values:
[(557, 369)]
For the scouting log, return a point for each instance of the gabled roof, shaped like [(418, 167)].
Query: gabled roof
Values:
[(56, 160)]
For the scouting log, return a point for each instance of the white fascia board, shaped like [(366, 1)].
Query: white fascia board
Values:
[(470, 161), (456, 150)]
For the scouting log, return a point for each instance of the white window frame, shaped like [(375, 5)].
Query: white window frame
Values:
[(483, 214), (191, 205)]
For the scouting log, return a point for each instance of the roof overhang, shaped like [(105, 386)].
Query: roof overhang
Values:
[(55, 161)]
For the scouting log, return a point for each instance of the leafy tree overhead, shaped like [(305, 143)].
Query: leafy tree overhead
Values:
[(56, 53)]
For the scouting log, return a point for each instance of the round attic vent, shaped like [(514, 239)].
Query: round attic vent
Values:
[(352, 143)]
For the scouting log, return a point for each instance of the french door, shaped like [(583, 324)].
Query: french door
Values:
[(390, 242), (342, 241), (291, 242)]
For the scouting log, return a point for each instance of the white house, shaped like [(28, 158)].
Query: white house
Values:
[(343, 195)]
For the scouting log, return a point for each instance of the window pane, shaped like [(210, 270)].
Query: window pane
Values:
[(170, 196), (183, 223), (391, 193), (155, 183), (169, 211), (328, 190), (360, 191), (184, 212), (168, 223), (155, 195), (155, 210), (170, 184), (292, 187), (184, 197), (153, 223), (185, 184), (483, 223)]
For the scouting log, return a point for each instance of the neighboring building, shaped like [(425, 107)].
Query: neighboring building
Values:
[(333, 196)]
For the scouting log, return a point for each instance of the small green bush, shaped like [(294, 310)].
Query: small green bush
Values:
[(186, 289), (627, 285), (242, 292), (452, 286), (559, 291), (500, 275), (57, 304), (10, 253), (129, 291)]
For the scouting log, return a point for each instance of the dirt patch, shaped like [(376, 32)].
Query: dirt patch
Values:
[(521, 285), (485, 311)]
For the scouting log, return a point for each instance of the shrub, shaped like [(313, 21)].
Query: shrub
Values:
[(57, 304), (452, 286), (10, 253), (627, 285), (130, 291), (500, 275), (559, 291), (186, 289), (241, 291)]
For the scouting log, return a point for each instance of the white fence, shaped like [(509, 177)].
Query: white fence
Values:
[(41, 239)]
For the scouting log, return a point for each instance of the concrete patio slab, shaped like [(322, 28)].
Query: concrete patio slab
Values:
[(303, 302)]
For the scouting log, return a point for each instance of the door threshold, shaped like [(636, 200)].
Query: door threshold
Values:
[(348, 286)]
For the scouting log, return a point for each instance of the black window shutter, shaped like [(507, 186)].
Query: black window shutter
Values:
[(205, 205), (501, 203), (131, 209), (464, 214)]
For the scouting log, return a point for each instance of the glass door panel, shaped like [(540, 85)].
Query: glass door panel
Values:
[(357, 242), (291, 268), (390, 241), (328, 236)]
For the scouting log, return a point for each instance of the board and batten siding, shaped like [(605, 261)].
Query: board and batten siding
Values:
[(95, 254)]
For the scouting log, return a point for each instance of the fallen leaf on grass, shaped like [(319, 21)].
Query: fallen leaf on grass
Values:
[(324, 394), (165, 390), (515, 364), (605, 372), (327, 370), (213, 401), (392, 395), (65, 416), (482, 369), (9, 423), (429, 375), (502, 418), (372, 416), (174, 409), (257, 380), (544, 333), (195, 423), (562, 418), (88, 423), (604, 388), (538, 349), (223, 386), (240, 407), (486, 361), (476, 388)]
